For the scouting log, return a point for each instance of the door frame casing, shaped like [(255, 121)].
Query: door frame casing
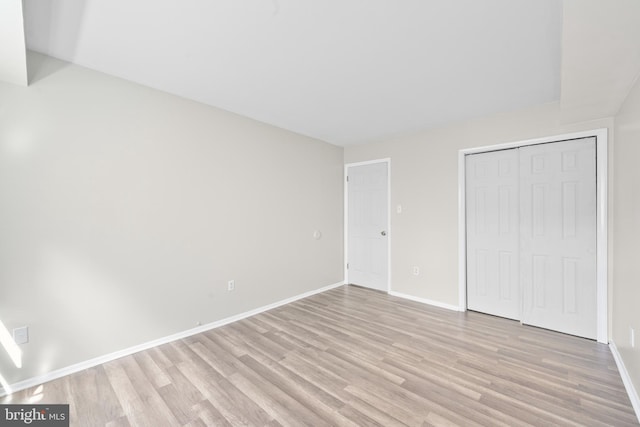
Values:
[(386, 160), (601, 135)]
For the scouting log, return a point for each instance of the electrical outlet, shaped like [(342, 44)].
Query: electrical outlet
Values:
[(416, 271), (632, 337), (21, 335), (231, 285)]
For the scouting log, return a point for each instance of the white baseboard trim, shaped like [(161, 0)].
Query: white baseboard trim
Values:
[(626, 379), (425, 301), (58, 373)]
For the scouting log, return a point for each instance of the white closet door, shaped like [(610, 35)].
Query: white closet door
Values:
[(492, 233), (558, 236), (368, 219)]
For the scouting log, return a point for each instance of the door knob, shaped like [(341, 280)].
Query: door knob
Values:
[(384, 233)]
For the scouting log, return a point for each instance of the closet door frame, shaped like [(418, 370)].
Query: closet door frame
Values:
[(601, 136)]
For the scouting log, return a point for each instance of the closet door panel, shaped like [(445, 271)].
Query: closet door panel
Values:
[(558, 236), (492, 233)]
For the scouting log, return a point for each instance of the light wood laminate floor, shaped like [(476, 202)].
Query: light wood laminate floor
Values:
[(353, 357)]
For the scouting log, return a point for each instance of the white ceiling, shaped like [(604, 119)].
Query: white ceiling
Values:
[(344, 71)]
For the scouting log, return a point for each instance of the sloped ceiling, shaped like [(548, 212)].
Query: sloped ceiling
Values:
[(355, 71), (600, 56), (342, 71)]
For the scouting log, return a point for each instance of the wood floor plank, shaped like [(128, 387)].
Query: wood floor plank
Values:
[(147, 395), (310, 397), (118, 422), (353, 357), (234, 405), (97, 396), (274, 401), (397, 412), (151, 369), (209, 415), (358, 406), (295, 385)]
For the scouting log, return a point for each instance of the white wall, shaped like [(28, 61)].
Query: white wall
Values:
[(124, 211), (13, 61), (424, 180), (626, 265)]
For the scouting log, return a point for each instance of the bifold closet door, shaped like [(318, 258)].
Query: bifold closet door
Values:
[(558, 236), (531, 235), (492, 183)]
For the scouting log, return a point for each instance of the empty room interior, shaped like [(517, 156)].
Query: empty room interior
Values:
[(346, 213)]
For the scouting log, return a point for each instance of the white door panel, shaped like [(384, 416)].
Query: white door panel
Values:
[(558, 236), (531, 235), (492, 233), (367, 225)]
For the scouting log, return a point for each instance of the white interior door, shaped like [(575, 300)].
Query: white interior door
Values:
[(367, 215), (492, 184), (558, 236), (531, 235)]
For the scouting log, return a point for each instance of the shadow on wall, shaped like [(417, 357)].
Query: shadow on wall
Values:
[(38, 68), (58, 27)]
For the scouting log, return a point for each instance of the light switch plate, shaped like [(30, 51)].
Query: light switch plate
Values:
[(21, 335)]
